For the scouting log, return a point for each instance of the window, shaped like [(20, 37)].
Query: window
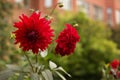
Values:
[(67, 4), (109, 16), (26, 3), (79, 2), (118, 16), (83, 6), (48, 3), (98, 13), (86, 8), (18, 1)]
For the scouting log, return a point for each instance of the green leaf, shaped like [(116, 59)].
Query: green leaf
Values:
[(47, 74), (60, 68), (44, 53), (41, 77), (34, 76), (61, 76), (21, 76), (13, 67), (40, 68), (52, 65), (4, 75), (27, 69)]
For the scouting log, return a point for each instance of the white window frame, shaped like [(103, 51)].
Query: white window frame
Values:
[(48, 3), (118, 16), (109, 16), (84, 6), (99, 13), (18, 1)]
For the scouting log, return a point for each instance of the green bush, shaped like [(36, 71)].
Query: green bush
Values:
[(116, 35), (93, 51), (5, 27)]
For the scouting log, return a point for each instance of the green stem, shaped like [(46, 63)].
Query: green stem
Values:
[(53, 9), (29, 62), (36, 59), (36, 63), (21, 71)]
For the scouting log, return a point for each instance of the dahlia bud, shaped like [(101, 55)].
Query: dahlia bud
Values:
[(60, 5), (31, 10), (48, 17), (75, 25), (12, 36)]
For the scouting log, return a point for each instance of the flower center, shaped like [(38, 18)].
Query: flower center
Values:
[(32, 36)]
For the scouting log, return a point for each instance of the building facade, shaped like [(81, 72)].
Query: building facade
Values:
[(107, 11)]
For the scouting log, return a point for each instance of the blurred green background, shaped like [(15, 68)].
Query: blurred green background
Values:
[(99, 44)]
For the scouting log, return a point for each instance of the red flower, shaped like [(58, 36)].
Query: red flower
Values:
[(114, 64), (67, 40), (33, 33), (118, 74)]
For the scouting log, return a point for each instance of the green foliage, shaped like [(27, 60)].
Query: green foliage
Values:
[(5, 27), (92, 52), (116, 36), (35, 71)]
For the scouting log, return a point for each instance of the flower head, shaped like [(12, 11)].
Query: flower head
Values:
[(33, 33), (118, 74), (114, 64), (67, 40), (114, 68)]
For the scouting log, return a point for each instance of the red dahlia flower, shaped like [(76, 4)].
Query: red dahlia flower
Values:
[(67, 40), (33, 33), (114, 64), (118, 75)]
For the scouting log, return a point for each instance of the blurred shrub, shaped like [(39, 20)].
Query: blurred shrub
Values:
[(5, 27), (92, 52), (116, 35)]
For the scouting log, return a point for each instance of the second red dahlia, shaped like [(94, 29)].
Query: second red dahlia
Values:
[(67, 40)]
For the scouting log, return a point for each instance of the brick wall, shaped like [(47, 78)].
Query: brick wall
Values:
[(104, 4)]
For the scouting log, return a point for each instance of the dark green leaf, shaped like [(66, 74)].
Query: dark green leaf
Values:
[(4, 75), (34, 76), (60, 75), (47, 74), (21, 76)]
